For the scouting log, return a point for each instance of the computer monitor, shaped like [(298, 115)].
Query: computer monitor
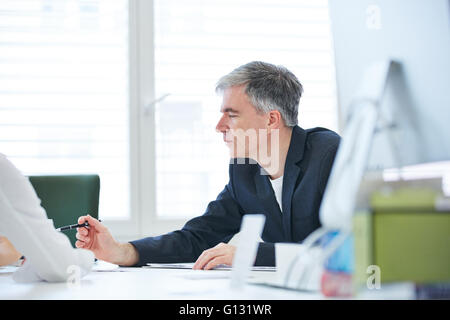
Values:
[(392, 61), (416, 103)]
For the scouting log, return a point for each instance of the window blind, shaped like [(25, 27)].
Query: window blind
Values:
[(64, 92)]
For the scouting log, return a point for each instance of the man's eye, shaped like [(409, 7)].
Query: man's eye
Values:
[(232, 116)]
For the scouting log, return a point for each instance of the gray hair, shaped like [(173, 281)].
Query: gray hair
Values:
[(269, 87)]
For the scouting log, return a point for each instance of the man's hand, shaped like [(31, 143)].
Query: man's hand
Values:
[(99, 240), (8, 254), (221, 254)]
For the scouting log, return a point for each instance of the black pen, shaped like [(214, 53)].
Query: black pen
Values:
[(73, 226)]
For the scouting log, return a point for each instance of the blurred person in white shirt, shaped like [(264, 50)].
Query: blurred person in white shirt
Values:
[(26, 231)]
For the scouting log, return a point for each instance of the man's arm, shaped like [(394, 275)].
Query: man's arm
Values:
[(219, 223), (266, 254)]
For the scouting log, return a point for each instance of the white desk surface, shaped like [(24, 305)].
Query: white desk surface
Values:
[(146, 283), (109, 282)]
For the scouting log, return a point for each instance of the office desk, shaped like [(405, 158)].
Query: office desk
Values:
[(145, 283)]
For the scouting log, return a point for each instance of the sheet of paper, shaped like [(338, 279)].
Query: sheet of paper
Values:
[(8, 269), (188, 265), (204, 275)]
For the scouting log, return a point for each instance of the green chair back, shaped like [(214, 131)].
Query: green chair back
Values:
[(66, 197)]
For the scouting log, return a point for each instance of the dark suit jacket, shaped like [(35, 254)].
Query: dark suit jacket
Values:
[(308, 164)]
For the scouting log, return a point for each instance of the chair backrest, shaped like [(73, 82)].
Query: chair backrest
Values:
[(66, 197)]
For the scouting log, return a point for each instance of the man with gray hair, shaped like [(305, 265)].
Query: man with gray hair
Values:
[(277, 169)]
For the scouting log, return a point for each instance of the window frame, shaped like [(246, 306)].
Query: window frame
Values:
[(143, 220), (128, 228)]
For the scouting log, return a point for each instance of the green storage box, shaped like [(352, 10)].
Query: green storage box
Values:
[(404, 236)]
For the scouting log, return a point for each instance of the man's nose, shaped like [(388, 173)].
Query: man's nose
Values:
[(221, 125)]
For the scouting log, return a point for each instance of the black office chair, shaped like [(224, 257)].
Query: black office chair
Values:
[(66, 197)]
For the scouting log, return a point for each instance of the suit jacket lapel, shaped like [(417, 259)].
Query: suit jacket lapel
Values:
[(269, 205), (292, 170), (291, 173)]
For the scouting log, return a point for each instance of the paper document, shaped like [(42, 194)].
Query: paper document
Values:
[(189, 265)]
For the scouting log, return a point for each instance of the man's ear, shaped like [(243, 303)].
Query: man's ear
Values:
[(274, 120)]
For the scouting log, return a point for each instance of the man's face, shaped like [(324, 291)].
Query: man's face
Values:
[(240, 123)]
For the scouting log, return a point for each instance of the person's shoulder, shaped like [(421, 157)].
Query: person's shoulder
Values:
[(11, 176), (5, 164), (322, 137)]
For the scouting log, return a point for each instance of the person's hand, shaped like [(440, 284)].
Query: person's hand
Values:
[(8, 254), (97, 238), (223, 253)]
